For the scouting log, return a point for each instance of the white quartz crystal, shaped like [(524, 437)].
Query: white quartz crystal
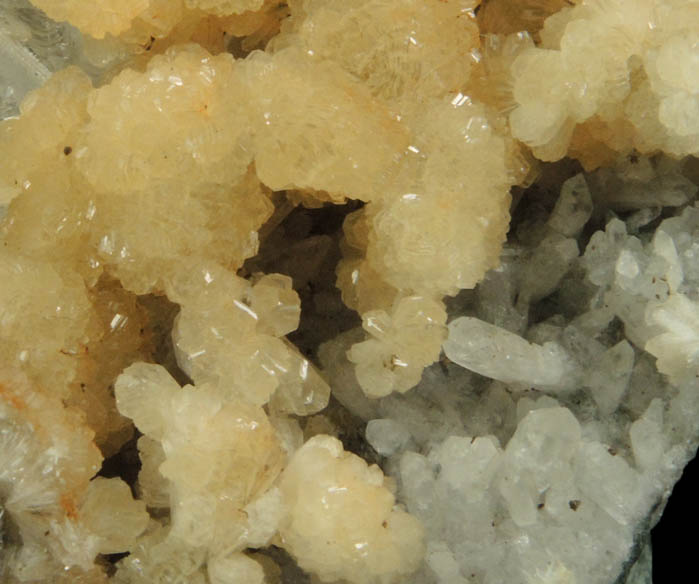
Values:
[(499, 354), (386, 436), (573, 207)]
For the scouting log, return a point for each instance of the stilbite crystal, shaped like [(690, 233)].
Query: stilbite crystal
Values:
[(211, 481), (343, 524)]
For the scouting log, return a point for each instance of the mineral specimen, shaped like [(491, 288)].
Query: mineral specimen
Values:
[(370, 292)]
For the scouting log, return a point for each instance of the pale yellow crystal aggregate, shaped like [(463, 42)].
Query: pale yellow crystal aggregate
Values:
[(428, 53), (47, 457), (225, 7), (343, 524), (230, 332), (403, 343), (603, 67), (108, 183), (133, 18), (159, 557), (219, 455), (312, 120), (39, 302), (52, 281), (167, 123), (441, 212), (221, 458), (303, 113)]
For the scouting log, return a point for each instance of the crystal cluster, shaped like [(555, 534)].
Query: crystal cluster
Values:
[(52, 511), (607, 77), (322, 485), (201, 201), (541, 459)]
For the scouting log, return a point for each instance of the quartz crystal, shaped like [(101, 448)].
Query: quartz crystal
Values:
[(369, 292)]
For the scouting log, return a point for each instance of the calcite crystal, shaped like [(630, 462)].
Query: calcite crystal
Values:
[(370, 292)]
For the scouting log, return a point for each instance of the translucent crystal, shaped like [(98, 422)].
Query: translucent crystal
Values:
[(210, 481), (171, 201), (502, 355), (323, 484)]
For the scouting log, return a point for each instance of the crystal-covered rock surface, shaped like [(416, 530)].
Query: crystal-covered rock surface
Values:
[(370, 292)]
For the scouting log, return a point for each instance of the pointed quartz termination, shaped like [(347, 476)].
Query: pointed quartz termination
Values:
[(20, 69), (499, 354)]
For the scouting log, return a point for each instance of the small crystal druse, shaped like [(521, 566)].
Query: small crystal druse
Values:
[(368, 292)]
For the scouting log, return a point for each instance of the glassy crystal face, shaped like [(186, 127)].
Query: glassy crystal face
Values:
[(372, 292)]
